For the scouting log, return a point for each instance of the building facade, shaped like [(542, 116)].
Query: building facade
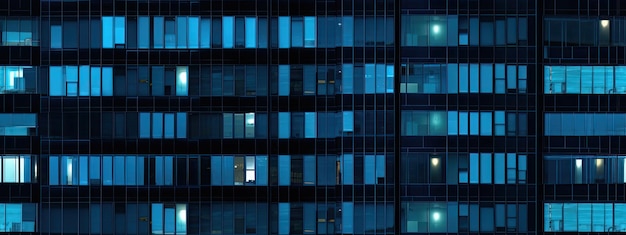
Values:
[(312, 117)]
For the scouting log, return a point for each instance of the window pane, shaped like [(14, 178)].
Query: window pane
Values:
[(284, 34), (251, 32), (228, 27)]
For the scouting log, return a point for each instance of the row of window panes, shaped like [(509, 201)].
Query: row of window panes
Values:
[(163, 125), (17, 169), (308, 170), (463, 78), (453, 217), (283, 125), (472, 168), (99, 81), (19, 31), (18, 124), (18, 217), (108, 218), (585, 79), (452, 30), (584, 217), (442, 123), (216, 80), (588, 31), (584, 169), (289, 125), (211, 218), (585, 124), (18, 79), (195, 32)]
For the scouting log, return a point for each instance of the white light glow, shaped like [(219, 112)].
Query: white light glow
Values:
[(436, 216), (182, 77), (604, 23), (182, 215), (599, 162), (579, 163), (436, 28), (434, 161)]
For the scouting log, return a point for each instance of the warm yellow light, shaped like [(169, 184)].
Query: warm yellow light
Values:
[(604, 23), (434, 161), (599, 162)]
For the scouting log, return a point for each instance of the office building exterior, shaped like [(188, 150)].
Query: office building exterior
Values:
[(312, 117)]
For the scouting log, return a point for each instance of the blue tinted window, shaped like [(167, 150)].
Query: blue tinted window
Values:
[(474, 123), (347, 26), (463, 78), (181, 125), (297, 33), (261, 170), (216, 170), (143, 36), (474, 78), (370, 79), (486, 78), (284, 125), (284, 32), (283, 80), (108, 30), (56, 36), (107, 81), (57, 82), (158, 32), (228, 29), (157, 125), (251, 32), (347, 79), (284, 170), (181, 32), (169, 125), (486, 33), (95, 81), (144, 125), (205, 33), (228, 171), (310, 127), (309, 31), (485, 123), (347, 167)]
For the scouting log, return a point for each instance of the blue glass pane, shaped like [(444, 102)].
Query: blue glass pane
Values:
[(284, 32), (143, 34), (194, 31), (56, 36), (228, 30), (108, 30), (251, 32)]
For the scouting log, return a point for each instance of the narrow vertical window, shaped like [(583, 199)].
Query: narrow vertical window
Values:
[(143, 36), (108, 31), (182, 87), (485, 168), (473, 171), (95, 81), (57, 81), (485, 123), (347, 74), (169, 126), (347, 168), (120, 30), (251, 32), (107, 81), (284, 170), (348, 121), (309, 31), (157, 125), (284, 125), (283, 80), (498, 168), (205, 32), (228, 27), (83, 80), (158, 32), (193, 32), (347, 27), (144, 125), (370, 79), (181, 125), (181, 32), (56, 36), (249, 125), (310, 126), (284, 32)]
